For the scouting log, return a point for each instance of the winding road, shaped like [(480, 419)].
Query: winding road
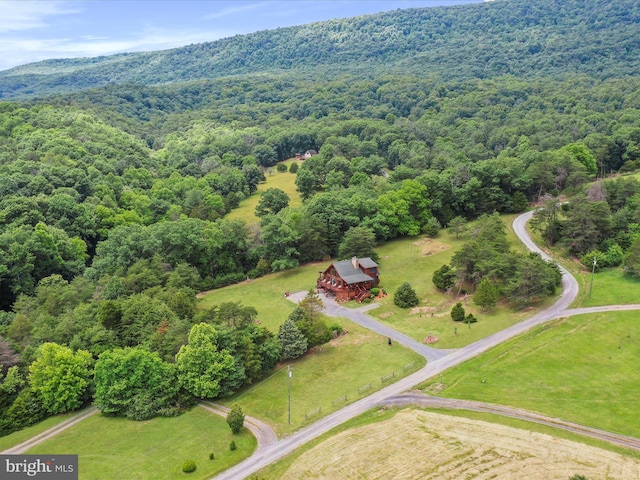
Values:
[(271, 449), (438, 361)]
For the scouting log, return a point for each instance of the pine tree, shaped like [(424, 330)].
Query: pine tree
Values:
[(293, 342), (486, 295), (444, 277), (405, 296), (457, 312)]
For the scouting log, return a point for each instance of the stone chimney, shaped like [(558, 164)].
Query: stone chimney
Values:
[(355, 263)]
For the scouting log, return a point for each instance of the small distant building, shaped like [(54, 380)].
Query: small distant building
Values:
[(349, 279), (309, 153)]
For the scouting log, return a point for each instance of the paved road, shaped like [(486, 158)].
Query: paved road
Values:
[(437, 365), (264, 433), (270, 449)]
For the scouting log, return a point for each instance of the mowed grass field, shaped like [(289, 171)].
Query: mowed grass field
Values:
[(415, 443), (285, 181), (582, 369), (414, 260), (327, 378), (117, 448)]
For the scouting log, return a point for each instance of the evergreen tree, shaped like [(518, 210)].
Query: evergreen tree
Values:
[(293, 341), (444, 277), (486, 294), (405, 296), (457, 312)]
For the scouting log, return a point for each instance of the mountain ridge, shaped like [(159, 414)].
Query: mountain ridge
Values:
[(515, 37)]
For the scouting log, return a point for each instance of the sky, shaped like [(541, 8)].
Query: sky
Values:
[(32, 30)]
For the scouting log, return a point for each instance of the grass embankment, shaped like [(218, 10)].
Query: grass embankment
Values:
[(154, 448), (610, 286), (582, 369), (432, 444), (340, 372)]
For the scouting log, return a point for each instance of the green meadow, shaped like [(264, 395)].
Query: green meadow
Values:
[(582, 369), (285, 181), (156, 448), (327, 378)]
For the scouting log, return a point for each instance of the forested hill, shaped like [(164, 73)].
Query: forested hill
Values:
[(524, 38)]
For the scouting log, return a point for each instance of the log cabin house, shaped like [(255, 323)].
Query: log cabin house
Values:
[(349, 279)]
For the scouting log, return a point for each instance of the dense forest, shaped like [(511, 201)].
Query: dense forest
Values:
[(114, 199), (543, 38)]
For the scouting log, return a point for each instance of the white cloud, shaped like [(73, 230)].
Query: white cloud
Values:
[(240, 7), (17, 51), (18, 16)]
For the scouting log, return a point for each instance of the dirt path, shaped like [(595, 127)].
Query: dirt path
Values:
[(69, 422), (423, 400)]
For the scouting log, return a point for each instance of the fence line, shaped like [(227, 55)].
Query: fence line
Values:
[(364, 387), (311, 413), (343, 398), (388, 376), (408, 366)]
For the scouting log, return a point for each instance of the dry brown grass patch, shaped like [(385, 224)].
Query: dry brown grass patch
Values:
[(417, 444)]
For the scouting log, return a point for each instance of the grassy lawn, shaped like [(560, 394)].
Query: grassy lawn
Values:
[(266, 294), (324, 376), (414, 260), (151, 449), (25, 434), (285, 181), (610, 287), (407, 259), (582, 369)]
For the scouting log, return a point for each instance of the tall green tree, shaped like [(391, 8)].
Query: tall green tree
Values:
[(358, 242), (201, 366), (60, 377), (486, 294), (135, 383), (293, 341)]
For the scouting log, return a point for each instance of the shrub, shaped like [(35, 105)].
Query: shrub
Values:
[(189, 466), (293, 168), (211, 456), (432, 227), (232, 445), (457, 312), (470, 319), (375, 291), (281, 167), (405, 296), (337, 328)]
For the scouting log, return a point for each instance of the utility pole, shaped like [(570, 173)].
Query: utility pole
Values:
[(593, 271), (289, 374)]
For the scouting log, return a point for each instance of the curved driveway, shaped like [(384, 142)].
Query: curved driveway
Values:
[(270, 449), (439, 361)]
